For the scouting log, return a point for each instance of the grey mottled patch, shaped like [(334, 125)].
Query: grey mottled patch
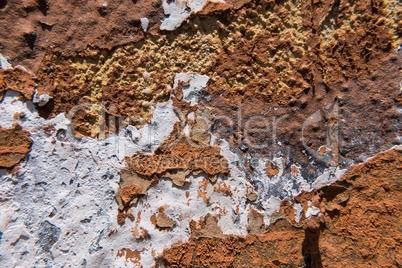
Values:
[(48, 236)]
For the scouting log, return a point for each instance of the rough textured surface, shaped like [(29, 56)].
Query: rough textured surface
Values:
[(356, 224), (31, 27), (18, 80), (280, 247), (15, 144), (200, 133)]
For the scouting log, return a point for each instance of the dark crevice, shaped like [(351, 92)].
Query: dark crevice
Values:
[(43, 6), (3, 4), (374, 7), (311, 250), (30, 38), (46, 110)]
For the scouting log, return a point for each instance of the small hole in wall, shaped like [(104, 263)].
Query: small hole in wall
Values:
[(30, 38), (3, 4), (61, 134)]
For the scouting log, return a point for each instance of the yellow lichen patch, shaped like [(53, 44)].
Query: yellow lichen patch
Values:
[(392, 11), (133, 78), (335, 24), (263, 61), (270, 28), (129, 80)]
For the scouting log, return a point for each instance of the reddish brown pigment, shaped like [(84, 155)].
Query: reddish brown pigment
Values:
[(129, 192), (359, 226), (287, 61), (28, 28), (282, 247), (367, 122), (117, 99), (164, 222), (15, 144), (271, 169), (179, 152), (211, 7), (130, 255), (18, 80), (299, 61)]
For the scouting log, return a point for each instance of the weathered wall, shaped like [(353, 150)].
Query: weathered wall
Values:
[(200, 133)]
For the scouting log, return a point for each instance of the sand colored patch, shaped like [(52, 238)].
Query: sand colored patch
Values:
[(164, 222)]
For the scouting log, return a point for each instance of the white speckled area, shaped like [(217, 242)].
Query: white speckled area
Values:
[(178, 11), (210, 133), (59, 208)]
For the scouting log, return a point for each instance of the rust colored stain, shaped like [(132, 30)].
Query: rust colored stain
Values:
[(222, 187), (50, 129), (359, 100), (153, 220), (359, 227), (130, 255), (140, 234), (28, 28), (178, 152), (18, 80), (125, 195), (203, 195), (271, 169), (211, 7), (289, 69), (106, 99), (283, 60), (15, 144), (295, 170), (233, 251), (206, 227), (292, 53), (251, 195), (129, 192), (170, 159), (124, 213)]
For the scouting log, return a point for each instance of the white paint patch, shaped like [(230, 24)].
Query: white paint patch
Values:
[(186, 130), (64, 192), (144, 24), (178, 11), (69, 185), (66, 189), (4, 63), (313, 211), (298, 211), (190, 115), (193, 85), (181, 209), (148, 138), (329, 176)]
